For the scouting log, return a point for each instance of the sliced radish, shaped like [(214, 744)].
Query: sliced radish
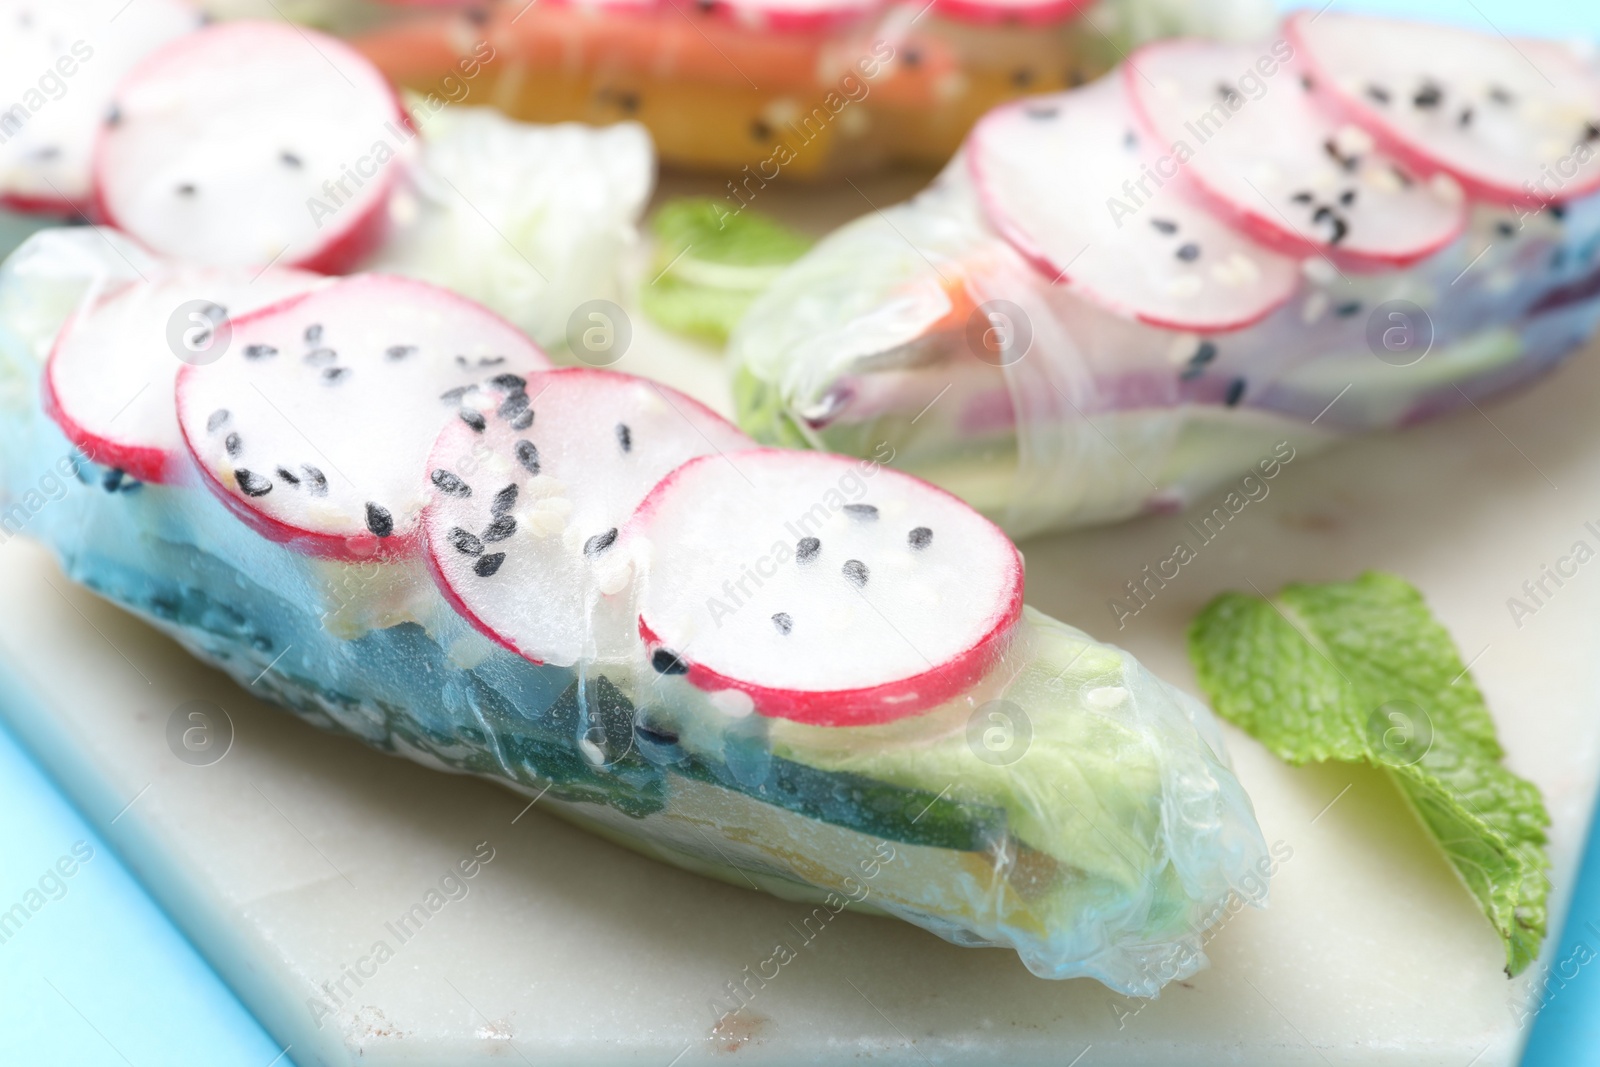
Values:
[(794, 16), (316, 425), (828, 590), (59, 63), (1025, 12), (109, 381), (1060, 177), (1510, 120), (524, 521), (251, 143), (1259, 151)]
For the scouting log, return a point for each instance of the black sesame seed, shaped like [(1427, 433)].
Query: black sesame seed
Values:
[(218, 417), (1378, 93), (1500, 95), (1591, 132), (1235, 392), (1465, 118), (1347, 197), (186, 189), (1227, 92), (600, 542), (287, 475), (259, 351), (1427, 97), (1204, 353), (487, 565), (1130, 140), (504, 501), (250, 483), (1166, 226), (112, 480), (513, 405), (527, 454), (1504, 228), (399, 351), (911, 58), (313, 333), (233, 444), (332, 375), (113, 116), (464, 542), (760, 130), (1302, 197), (453, 396), (624, 437), (628, 103), (490, 361), (783, 622), (449, 483), (1341, 230), (861, 511), (855, 572), (807, 549), (523, 420), (666, 661), (1558, 211), (500, 529), (920, 538), (1307, 83), (474, 419), (1022, 77), (321, 357), (1189, 252), (1348, 310), (319, 481), (289, 159), (510, 382), (1041, 111), (655, 735), (379, 521)]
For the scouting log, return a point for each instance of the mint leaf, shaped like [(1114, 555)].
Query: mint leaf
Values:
[(1361, 671), (711, 261)]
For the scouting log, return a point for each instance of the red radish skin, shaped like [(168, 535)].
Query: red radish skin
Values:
[(350, 237), (984, 13), (867, 705), (1263, 226), (142, 462), (1397, 143)]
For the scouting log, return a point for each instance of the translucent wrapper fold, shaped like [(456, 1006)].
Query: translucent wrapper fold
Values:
[(1068, 805), (876, 337)]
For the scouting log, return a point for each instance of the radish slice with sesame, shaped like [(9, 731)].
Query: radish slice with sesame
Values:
[(251, 143), (1069, 182), (824, 589), (109, 380), (1513, 121), (1260, 153), (59, 63), (523, 524), (316, 425)]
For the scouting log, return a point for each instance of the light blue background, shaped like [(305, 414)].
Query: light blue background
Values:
[(129, 989)]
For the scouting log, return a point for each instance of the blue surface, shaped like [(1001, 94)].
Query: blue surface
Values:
[(96, 975)]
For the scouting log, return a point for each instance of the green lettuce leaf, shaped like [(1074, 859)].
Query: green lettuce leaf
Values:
[(1361, 671), (711, 263)]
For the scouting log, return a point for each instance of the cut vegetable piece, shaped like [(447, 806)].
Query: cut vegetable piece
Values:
[(109, 381), (1261, 154), (251, 143), (1510, 120), (710, 264), (523, 525), (316, 425), (1068, 181), (828, 590), (794, 16), (59, 63), (1362, 671)]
